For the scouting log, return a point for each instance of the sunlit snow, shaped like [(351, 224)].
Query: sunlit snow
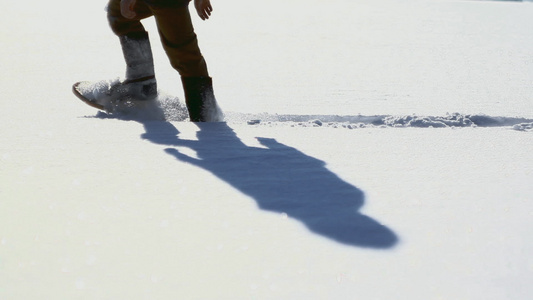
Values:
[(371, 150)]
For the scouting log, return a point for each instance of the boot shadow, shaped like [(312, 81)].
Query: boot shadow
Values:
[(280, 179)]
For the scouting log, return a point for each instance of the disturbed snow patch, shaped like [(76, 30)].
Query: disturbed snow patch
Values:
[(524, 127), (455, 120), (359, 121), (163, 108)]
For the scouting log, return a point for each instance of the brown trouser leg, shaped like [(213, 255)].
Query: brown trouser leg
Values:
[(175, 30)]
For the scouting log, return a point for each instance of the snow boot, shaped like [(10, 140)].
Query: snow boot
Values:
[(140, 83), (200, 99)]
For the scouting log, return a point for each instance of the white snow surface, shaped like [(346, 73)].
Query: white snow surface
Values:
[(371, 150)]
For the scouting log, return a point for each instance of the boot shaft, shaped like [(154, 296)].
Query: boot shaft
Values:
[(138, 56), (200, 99)]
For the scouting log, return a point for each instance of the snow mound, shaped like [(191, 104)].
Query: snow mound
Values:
[(524, 127), (455, 120), (359, 121), (163, 108)]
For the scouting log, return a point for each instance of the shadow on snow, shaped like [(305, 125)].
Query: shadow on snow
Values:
[(280, 179)]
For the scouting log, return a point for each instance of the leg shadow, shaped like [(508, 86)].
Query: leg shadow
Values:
[(280, 179)]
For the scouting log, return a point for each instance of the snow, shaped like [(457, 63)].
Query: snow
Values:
[(372, 150)]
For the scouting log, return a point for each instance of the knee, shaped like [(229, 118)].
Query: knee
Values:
[(120, 25), (114, 19)]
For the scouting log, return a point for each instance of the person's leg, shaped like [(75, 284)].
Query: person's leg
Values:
[(181, 45), (179, 39), (140, 80)]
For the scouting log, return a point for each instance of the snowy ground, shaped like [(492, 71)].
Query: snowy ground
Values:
[(372, 150)]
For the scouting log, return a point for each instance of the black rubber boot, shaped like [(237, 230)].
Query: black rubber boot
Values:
[(200, 99)]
